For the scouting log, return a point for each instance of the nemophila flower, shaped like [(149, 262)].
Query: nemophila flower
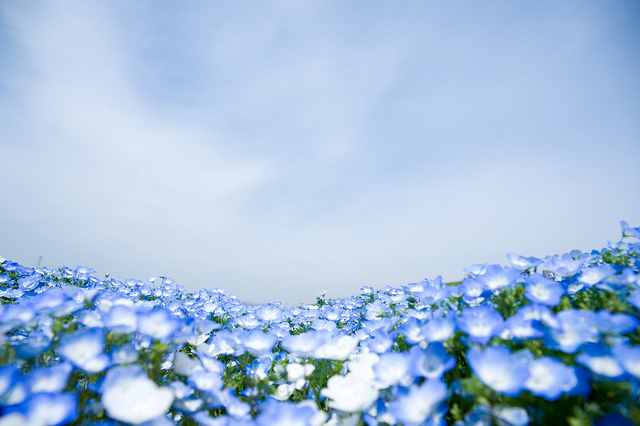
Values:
[(475, 269), (50, 409), (496, 277), (286, 413), (539, 313), (157, 323), (297, 371), (549, 378), (33, 345), (304, 344), (362, 364), (523, 263), (392, 369), (417, 403), (205, 381), (49, 379), (564, 266), (505, 415), (499, 370), (575, 328), (600, 360), (432, 362), (412, 331), (595, 274), (85, 350), (439, 329), (7, 378), (629, 358), (337, 348), (609, 323), (481, 323), (474, 291), (524, 329), (269, 313), (349, 393), (380, 342), (539, 289), (129, 396), (628, 231), (121, 319), (236, 408), (126, 354)]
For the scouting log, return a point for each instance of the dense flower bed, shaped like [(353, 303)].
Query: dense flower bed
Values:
[(544, 341)]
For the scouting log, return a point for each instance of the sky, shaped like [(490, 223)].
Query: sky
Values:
[(279, 149)]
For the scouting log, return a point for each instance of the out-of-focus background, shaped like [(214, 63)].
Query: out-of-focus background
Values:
[(283, 148)]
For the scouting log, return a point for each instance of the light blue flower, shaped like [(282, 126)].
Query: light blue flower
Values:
[(575, 328), (549, 378), (481, 323), (286, 413), (50, 409), (496, 277), (564, 266), (629, 358), (539, 289), (628, 231), (609, 323), (523, 263), (392, 369), (600, 360), (596, 274), (524, 329), (432, 362), (158, 323), (85, 350), (49, 379), (439, 328), (417, 403), (129, 396), (499, 370)]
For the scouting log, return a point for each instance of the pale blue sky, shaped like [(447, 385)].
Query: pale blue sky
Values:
[(282, 148)]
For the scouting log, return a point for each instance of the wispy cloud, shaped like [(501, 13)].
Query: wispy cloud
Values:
[(283, 149)]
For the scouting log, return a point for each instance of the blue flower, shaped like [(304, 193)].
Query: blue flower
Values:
[(286, 413), (539, 289), (129, 396), (481, 323), (417, 403), (49, 379), (439, 329), (49, 409), (499, 370), (629, 358), (600, 360), (158, 323), (575, 328), (85, 350), (432, 362), (609, 323), (524, 329), (628, 231), (549, 378), (523, 263), (496, 277)]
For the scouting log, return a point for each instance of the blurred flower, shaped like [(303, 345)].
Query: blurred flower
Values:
[(158, 323), (629, 358), (481, 323), (432, 362), (539, 289), (349, 393), (496, 277), (50, 409), (415, 404), (523, 263), (600, 360), (499, 370), (549, 378), (129, 396), (85, 350)]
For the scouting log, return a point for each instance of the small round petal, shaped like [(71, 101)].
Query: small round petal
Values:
[(499, 370)]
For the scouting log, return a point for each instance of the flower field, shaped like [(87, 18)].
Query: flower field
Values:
[(554, 340)]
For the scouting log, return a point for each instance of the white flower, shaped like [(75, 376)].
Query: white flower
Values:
[(129, 396), (349, 393)]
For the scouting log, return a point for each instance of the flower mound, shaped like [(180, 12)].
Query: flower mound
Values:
[(542, 340)]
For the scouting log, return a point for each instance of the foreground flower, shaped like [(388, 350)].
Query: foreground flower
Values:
[(129, 396), (349, 393), (417, 403), (48, 409), (498, 369), (85, 350)]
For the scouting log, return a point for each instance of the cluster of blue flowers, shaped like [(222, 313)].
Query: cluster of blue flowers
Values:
[(543, 341)]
